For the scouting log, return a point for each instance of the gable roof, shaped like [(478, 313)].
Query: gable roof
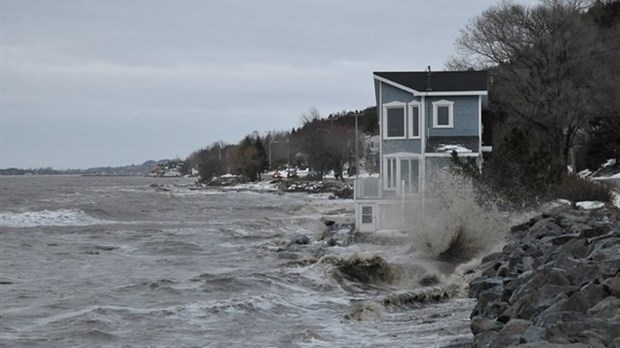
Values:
[(439, 81)]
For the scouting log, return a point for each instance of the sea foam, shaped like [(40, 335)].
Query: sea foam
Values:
[(61, 217)]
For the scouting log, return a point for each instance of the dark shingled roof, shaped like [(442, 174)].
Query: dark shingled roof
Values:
[(440, 81)]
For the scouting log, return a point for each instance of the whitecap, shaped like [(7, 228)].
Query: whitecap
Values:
[(61, 217)]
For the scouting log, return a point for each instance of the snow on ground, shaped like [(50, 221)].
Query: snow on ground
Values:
[(590, 205), (616, 199), (261, 186)]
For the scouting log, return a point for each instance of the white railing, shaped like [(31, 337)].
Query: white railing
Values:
[(367, 188)]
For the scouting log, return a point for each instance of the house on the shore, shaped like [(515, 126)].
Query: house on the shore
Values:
[(423, 117)]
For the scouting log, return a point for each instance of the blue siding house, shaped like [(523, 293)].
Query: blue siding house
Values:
[(423, 117)]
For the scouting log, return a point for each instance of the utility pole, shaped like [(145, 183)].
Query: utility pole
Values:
[(357, 159)]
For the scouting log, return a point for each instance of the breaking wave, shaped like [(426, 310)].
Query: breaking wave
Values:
[(61, 217)]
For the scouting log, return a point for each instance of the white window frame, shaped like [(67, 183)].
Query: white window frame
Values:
[(443, 103), (394, 105), (393, 182), (413, 105)]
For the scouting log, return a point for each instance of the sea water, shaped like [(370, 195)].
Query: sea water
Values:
[(137, 262)]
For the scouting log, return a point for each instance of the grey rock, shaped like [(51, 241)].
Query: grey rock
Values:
[(485, 339), (489, 296), (608, 309), (586, 298), (612, 285), (556, 207), (545, 227), (300, 239), (532, 334), (553, 345), (595, 332), (481, 284), (552, 314), (528, 263), (515, 327), (480, 324)]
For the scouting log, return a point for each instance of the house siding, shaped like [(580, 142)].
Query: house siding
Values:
[(405, 145), (466, 117), (392, 94)]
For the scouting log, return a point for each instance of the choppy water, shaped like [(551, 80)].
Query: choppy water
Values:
[(101, 261)]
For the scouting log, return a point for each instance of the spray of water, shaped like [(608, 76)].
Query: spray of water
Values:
[(454, 223)]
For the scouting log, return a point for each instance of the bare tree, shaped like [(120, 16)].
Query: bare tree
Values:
[(546, 66)]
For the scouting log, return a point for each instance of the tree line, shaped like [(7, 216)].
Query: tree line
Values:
[(322, 144)]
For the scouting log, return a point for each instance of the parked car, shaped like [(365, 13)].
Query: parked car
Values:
[(291, 173)]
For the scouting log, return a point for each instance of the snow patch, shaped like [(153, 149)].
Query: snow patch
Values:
[(590, 205), (450, 148), (616, 199), (584, 173), (610, 162)]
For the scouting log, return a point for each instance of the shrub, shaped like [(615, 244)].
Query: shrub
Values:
[(576, 189)]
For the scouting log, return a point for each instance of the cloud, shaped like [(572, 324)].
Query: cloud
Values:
[(127, 81)]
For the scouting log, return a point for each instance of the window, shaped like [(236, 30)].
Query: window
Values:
[(367, 214), (402, 174), (443, 114), (410, 175), (394, 121), (414, 120), (390, 179)]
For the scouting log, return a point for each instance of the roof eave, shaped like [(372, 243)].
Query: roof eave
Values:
[(428, 93), (397, 85)]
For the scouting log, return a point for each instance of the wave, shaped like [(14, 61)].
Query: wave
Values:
[(61, 217)]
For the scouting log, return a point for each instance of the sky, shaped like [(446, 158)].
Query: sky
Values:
[(89, 83)]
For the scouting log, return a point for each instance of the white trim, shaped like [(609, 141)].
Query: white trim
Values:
[(423, 125), (380, 118), (397, 85), (449, 154), (455, 93), (480, 123), (443, 103), (402, 155), (414, 104), (417, 93), (486, 148), (394, 105)]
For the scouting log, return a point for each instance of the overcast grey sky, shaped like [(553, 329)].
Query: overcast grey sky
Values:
[(90, 83)]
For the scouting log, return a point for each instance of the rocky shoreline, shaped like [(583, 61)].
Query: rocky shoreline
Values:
[(336, 189), (556, 284)]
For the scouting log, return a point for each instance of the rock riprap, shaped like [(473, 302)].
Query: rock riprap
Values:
[(556, 284)]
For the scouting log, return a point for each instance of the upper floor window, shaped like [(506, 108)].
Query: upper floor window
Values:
[(414, 119), (394, 120), (443, 114)]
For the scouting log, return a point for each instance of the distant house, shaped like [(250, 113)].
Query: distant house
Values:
[(423, 117)]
